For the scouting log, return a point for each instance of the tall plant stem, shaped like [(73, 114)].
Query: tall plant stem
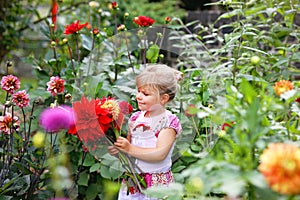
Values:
[(55, 58), (128, 53), (71, 58), (90, 61)]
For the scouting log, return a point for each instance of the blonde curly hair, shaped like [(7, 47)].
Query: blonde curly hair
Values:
[(160, 77)]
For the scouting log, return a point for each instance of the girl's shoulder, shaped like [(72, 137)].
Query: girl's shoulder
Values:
[(135, 115), (174, 121)]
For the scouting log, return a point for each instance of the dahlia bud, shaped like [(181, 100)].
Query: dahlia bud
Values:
[(9, 64), (53, 43), (95, 31), (68, 96), (168, 20), (121, 27), (65, 40)]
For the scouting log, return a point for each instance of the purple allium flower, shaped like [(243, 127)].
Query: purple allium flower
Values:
[(55, 85), (7, 123), (10, 83), (55, 119), (21, 98)]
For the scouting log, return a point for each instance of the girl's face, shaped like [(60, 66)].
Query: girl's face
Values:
[(147, 98)]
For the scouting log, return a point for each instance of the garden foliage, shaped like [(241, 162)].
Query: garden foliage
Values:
[(238, 103)]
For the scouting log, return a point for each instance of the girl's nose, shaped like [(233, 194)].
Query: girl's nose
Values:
[(138, 95)]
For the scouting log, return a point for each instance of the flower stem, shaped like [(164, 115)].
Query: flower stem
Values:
[(128, 53), (71, 58)]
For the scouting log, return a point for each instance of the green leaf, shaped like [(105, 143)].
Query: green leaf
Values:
[(89, 160), (91, 191), (87, 42), (153, 53), (83, 179), (248, 91), (95, 167)]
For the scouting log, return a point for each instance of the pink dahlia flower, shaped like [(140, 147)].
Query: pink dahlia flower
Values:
[(10, 83), (21, 98), (55, 85), (8, 123)]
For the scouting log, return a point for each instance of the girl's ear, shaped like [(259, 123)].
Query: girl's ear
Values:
[(164, 98)]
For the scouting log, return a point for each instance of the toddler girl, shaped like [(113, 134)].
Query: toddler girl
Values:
[(152, 130)]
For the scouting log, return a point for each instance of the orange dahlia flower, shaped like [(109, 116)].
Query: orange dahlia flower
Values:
[(280, 166), (282, 87)]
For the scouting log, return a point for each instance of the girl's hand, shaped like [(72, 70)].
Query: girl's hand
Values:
[(112, 150), (122, 144)]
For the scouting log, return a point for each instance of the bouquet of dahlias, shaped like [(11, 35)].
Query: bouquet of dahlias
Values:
[(98, 122)]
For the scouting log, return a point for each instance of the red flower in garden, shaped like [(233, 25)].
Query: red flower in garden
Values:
[(114, 5), (10, 83), (21, 98), (282, 86), (9, 123), (280, 166), (95, 31), (54, 12), (94, 119), (86, 120), (55, 85), (168, 19), (74, 28), (143, 21), (125, 107), (108, 111)]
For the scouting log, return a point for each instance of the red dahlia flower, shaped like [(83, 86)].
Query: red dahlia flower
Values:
[(125, 108), (143, 21), (280, 166), (86, 120), (74, 28), (96, 118), (54, 12), (114, 5)]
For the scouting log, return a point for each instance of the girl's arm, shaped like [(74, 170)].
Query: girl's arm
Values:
[(164, 143)]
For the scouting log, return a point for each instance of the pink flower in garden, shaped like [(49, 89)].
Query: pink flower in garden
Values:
[(55, 119), (10, 83), (55, 85), (280, 166), (21, 98), (74, 28), (7, 123), (143, 21)]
